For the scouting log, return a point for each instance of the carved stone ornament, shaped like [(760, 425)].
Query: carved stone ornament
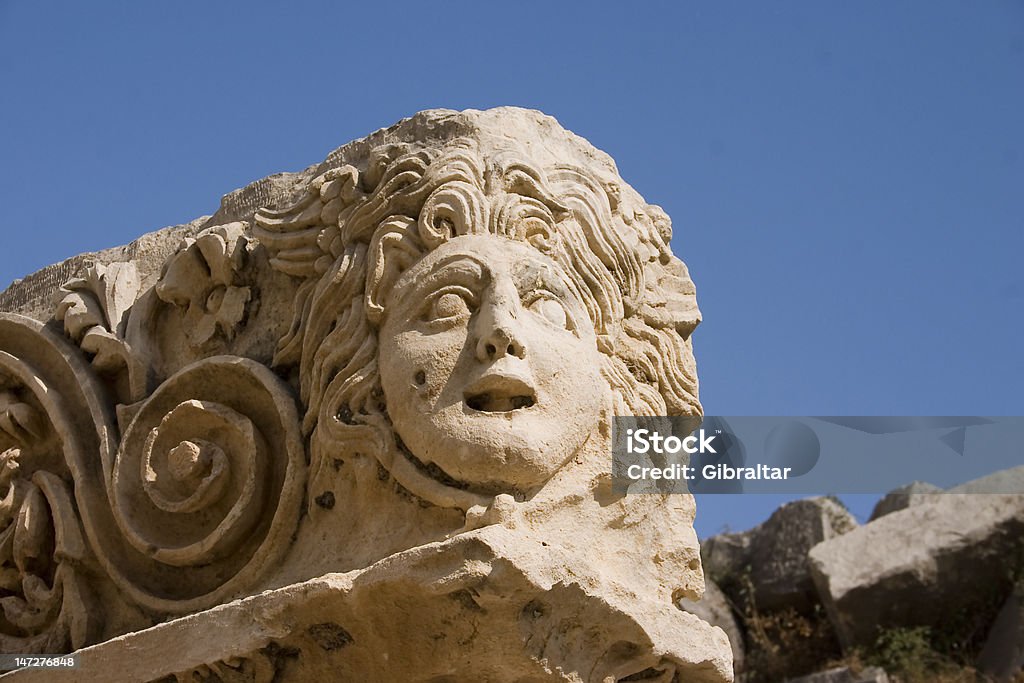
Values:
[(356, 426)]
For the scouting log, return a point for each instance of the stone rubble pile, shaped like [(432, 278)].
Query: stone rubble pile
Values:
[(926, 558)]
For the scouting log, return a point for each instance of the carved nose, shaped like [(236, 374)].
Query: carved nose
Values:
[(497, 328), (498, 343)]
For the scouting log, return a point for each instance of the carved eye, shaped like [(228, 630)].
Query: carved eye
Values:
[(551, 310), (450, 304)]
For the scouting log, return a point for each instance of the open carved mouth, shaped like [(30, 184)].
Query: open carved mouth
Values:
[(499, 394), (489, 403)]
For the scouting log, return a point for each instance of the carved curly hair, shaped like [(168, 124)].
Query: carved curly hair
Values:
[(362, 224)]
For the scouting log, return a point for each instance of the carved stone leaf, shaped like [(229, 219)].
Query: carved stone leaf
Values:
[(18, 420), (121, 291), (109, 352), (48, 615), (183, 276), (101, 298), (32, 532), (46, 601), (80, 311), (95, 310), (205, 279)]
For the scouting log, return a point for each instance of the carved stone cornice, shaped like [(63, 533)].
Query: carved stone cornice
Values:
[(395, 371)]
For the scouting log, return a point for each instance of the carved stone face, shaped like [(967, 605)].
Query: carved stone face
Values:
[(489, 363)]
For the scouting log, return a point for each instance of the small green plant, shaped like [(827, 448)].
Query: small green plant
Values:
[(906, 651), (909, 655)]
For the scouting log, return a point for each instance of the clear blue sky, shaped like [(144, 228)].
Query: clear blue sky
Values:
[(846, 180)]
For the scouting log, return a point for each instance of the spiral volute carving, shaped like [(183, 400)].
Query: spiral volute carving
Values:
[(207, 484)]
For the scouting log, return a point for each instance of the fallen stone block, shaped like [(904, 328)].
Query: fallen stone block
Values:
[(778, 552), (918, 566), (773, 555), (1004, 481), (726, 555), (904, 497)]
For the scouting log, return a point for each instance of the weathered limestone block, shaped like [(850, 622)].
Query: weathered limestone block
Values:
[(773, 555), (488, 605), (903, 497), (359, 421), (919, 565), (726, 555), (1004, 481), (778, 552)]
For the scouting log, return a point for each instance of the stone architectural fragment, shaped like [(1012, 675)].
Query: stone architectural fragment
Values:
[(904, 497), (727, 554), (423, 614), (917, 565), (356, 424), (773, 555), (778, 551), (1003, 481)]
